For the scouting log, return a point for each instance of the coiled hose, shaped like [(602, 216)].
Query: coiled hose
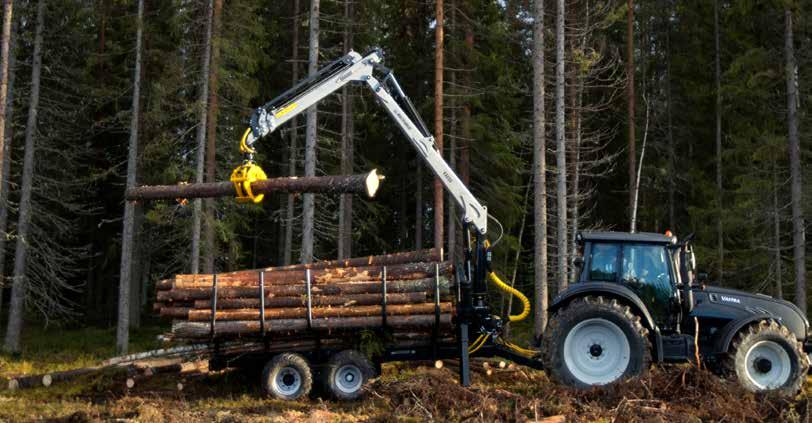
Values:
[(516, 293)]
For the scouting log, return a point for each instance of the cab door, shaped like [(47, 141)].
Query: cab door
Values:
[(646, 269)]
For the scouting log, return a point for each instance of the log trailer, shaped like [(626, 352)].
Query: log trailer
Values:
[(638, 297)]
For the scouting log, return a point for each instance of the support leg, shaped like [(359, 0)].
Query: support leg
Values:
[(465, 371)]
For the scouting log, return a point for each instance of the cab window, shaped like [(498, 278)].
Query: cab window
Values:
[(646, 268), (603, 262)]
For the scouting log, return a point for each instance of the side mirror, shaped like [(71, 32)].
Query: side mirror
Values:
[(702, 277), (578, 262)]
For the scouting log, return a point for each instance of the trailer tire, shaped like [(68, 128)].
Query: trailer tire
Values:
[(766, 357), (287, 376), (595, 341), (345, 375)]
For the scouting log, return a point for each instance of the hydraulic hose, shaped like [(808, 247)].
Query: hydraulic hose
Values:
[(516, 293)]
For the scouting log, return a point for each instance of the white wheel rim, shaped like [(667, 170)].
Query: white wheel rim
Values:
[(597, 352), (768, 365), (288, 380), (349, 378)]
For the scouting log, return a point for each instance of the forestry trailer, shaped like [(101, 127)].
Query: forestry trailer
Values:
[(638, 299)]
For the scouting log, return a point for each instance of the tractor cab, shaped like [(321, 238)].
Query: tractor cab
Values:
[(648, 264)]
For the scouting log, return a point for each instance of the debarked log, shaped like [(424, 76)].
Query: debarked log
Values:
[(367, 184), (406, 271), (395, 286), (319, 312), (239, 327)]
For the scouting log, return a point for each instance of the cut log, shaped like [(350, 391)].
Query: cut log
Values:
[(175, 312), (201, 329), (318, 312), (407, 271), (317, 300), (352, 184), (396, 286)]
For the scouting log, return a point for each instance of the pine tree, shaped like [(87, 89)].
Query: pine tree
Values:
[(19, 284)]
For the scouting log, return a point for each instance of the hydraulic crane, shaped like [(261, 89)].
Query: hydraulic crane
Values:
[(473, 315)]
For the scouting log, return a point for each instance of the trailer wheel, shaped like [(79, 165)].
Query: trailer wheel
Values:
[(346, 373), (287, 376), (594, 341), (767, 357)]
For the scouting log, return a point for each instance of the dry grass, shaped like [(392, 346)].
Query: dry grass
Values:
[(405, 392)]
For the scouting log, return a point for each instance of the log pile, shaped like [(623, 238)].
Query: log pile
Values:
[(408, 293)]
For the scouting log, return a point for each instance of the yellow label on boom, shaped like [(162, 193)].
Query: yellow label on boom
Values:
[(285, 110)]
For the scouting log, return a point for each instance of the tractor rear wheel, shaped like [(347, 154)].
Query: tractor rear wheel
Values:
[(767, 357), (595, 341)]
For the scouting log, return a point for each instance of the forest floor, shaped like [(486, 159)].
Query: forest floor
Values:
[(405, 392)]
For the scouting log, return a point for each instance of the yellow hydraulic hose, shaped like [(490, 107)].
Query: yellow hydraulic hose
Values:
[(476, 345), (516, 293)]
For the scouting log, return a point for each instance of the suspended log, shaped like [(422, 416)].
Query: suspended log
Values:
[(317, 312), (352, 184), (395, 286), (406, 271), (317, 300), (201, 329)]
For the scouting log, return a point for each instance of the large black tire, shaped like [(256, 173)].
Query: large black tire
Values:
[(601, 325), (345, 375), (287, 376), (766, 357)]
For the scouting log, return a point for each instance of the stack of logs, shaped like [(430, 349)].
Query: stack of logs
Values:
[(408, 293)]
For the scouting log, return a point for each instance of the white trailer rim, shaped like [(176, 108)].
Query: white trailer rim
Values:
[(288, 381), (597, 352), (349, 378), (767, 365)]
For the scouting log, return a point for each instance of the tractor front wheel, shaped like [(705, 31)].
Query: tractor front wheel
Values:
[(595, 341), (767, 357)]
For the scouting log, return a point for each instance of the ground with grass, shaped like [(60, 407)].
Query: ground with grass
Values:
[(404, 392)]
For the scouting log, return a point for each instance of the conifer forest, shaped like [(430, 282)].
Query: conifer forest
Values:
[(575, 122)]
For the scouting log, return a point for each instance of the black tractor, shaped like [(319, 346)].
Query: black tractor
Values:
[(638, 299)]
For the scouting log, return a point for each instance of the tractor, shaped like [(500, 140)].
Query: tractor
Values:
[(638, 298)]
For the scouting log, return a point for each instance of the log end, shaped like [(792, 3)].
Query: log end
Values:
[(130, 383), (13, 385), (373, 182), (47, 380)]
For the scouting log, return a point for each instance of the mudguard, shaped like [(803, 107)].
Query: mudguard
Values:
[(607, 289), (733, 327)]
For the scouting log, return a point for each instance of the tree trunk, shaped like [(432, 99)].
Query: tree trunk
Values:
[(310, 137), (418, 207), (6, 163), (451, 227), (211, 132), (438, 120), (5, 49), (630, 99), (347, 147), (294, 137), (719, 190), (796, 188), (561, 148), (201, 137), (672, 168), (19, 285), (576, 165), (779, 291), (128, 235), (539, 175)]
